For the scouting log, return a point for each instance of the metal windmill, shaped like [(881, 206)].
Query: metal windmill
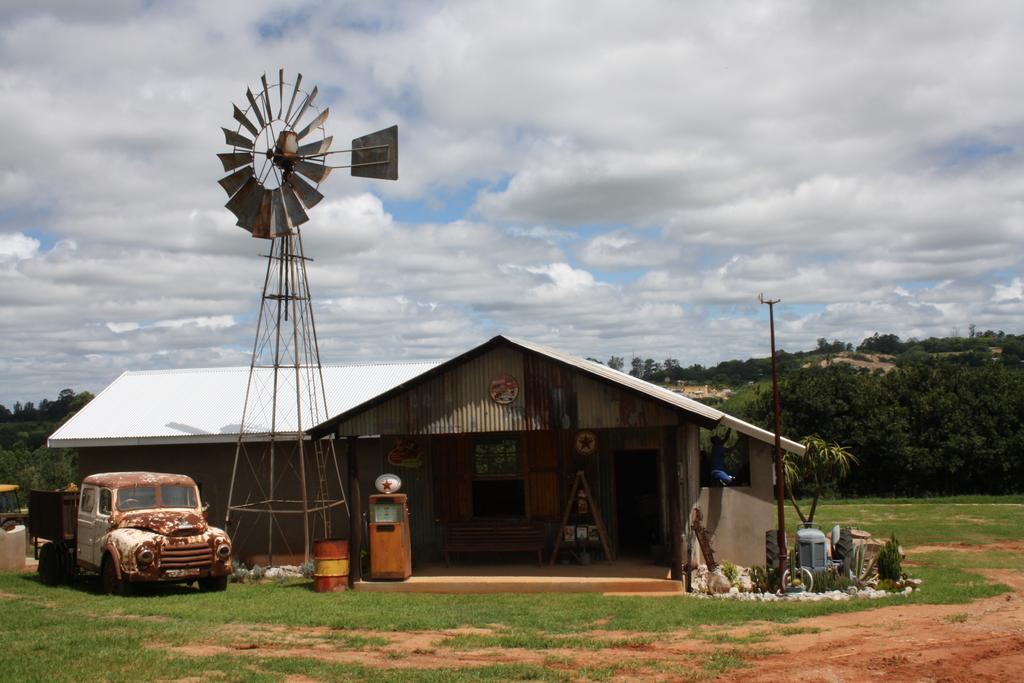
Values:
[(279, 157)]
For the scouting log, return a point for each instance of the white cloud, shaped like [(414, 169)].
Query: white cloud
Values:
[(604, 178), (1011, 292), (18, 246)]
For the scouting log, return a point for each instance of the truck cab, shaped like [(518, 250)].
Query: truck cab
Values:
[(131, 528)]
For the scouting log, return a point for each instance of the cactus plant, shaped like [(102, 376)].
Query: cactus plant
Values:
[(889, 561)]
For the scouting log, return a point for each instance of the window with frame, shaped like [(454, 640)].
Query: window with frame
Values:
[(105, 501), (499, 489), (87, 504)]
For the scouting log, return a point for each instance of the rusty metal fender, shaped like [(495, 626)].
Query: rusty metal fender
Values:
[(115, 557)]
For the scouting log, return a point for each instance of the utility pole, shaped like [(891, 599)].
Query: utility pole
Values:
[(780, 482)]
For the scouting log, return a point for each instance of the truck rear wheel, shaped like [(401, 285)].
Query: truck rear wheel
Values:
[(51, 566), (112, 585)]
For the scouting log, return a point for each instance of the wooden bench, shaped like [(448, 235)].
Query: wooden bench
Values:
[(486, 536)]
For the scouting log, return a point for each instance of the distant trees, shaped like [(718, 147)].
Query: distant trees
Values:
[(24, 458), (616, 363), (936, 425)]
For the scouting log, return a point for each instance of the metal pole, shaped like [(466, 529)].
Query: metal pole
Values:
[(780, 481)]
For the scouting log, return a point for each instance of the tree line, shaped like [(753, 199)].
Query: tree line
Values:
[(935, 425), (975, 349), (24, 458)]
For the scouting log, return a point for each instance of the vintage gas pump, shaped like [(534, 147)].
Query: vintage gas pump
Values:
[(390, 547)]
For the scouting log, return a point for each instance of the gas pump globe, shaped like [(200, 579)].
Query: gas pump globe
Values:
[(390, 546)]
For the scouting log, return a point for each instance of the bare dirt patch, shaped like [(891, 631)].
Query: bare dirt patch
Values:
[(983, 641)]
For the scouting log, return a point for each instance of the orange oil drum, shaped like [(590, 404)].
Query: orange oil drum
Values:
[(330, 565)]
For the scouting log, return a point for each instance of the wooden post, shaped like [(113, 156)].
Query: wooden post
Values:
[(355, 515), (675, 521)]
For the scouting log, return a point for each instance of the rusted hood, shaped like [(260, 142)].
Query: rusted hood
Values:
[(164, 522)]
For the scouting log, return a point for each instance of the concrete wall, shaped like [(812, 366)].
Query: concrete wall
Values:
[(738, 517)]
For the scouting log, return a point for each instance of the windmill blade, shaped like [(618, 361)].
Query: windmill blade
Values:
[(291, 103), (278, 216), (266, 98), (261, 226), (280, 91), (234, 182), (296, 214), (236, 140), (245, 204), (244, 120), (315, 172), (307, 194), (305, 105), (233, 160), (315, 148), (255, 108), (314, 124)]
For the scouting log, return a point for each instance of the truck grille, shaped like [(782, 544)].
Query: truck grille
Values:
[(186, 556)]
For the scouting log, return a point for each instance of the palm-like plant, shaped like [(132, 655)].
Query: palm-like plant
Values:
[(821, 463)]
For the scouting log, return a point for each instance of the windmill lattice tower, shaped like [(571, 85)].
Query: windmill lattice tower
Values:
[(274, 171)]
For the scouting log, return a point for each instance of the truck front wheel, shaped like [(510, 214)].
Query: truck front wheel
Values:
[(213, 583), (112, 585)]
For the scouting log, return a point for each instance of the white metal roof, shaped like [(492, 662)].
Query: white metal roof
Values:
[(205, 405)]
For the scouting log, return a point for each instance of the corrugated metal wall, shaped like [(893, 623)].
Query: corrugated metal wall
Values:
[(551, 396)]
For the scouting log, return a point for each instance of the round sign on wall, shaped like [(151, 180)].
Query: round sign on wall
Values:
[(504, 389), (585, 442)]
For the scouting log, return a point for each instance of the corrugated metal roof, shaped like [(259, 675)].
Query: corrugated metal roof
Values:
[(205, 405), (702, 412), (662, 394)]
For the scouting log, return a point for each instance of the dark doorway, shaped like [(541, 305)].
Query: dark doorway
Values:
[(636, 500)]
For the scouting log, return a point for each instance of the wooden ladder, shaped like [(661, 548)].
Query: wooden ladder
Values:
[(580, 484)]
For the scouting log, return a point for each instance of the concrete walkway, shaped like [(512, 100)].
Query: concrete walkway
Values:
[(625, 576)]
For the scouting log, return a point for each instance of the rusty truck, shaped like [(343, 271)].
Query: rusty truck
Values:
[(130, 528)]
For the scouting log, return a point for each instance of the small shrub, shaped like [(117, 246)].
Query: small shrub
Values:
[(764, 579), (889, 567), (887, 585), (731, 571), (830, 580), (257, 572), (307, 569)]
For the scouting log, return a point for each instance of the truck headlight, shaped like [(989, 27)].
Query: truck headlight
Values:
[(223, 552), (145, 557)]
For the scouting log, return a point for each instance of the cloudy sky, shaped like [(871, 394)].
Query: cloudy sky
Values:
[(607, 178)]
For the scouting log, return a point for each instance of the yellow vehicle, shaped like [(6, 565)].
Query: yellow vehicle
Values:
[(10, 505)]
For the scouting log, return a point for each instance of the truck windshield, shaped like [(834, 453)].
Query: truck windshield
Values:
[(145, 498), (136, 498), (178, 496)]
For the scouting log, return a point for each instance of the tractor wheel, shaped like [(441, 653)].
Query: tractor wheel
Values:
[(213, 584), (771, 549), (112, 585), (843, 550), (50, 565)]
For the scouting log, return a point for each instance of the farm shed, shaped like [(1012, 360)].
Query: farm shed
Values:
[(500, 432), (187, 422)]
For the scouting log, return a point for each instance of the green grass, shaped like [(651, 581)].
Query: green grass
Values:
[(48, 632), (973, 520)]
